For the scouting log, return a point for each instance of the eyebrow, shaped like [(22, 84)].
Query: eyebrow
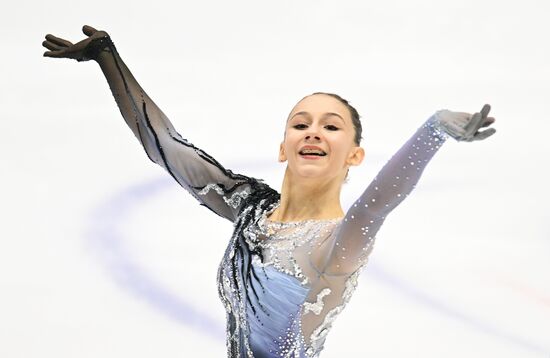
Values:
[(327, 114)]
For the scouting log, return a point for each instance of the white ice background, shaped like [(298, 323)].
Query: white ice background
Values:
[(103, 255)]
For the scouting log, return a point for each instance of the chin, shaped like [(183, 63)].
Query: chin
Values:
[(312, 173)]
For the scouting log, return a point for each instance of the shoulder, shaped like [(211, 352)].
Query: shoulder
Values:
[(260, 194), (261, 198)]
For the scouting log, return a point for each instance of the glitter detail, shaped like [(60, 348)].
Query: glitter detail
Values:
[(317, 306), (234, 201), (318, 336), (437, 130)]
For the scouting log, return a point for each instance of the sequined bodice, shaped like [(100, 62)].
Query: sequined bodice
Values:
[(288, 245), (285, 263)]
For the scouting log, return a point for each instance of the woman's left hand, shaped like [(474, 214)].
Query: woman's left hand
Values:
[(463, 126)]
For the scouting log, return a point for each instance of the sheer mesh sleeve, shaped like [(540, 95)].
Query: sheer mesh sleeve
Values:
[(354, 238), (208, 181)]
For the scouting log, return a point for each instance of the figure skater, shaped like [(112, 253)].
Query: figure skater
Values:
[(293, 259)]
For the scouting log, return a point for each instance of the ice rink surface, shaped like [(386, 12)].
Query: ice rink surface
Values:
[(103, 255)]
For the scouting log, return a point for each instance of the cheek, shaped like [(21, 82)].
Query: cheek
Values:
[(339, 143), (287, 148), (340, 152), (290, 140)]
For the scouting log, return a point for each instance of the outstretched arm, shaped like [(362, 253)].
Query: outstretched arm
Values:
[(354, 238), (207, 180)]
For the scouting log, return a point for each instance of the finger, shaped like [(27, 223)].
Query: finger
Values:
[(88, 30), (58, 40), (51, 46), (484, 134), (55, 54), (473, 125), (488, 121), (485, 111)]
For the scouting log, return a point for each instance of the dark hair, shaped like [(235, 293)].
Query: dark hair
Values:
[(355, 117)]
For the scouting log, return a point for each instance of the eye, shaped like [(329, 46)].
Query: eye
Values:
[(331, 127), (300, 126)]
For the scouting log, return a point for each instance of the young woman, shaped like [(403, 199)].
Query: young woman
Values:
[(294, 258)]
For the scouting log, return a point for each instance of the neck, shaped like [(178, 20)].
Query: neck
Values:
[(306, 199)]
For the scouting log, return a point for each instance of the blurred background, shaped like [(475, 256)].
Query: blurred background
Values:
[(102, 254)]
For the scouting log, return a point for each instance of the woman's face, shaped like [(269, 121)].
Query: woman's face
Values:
[(323, 125)]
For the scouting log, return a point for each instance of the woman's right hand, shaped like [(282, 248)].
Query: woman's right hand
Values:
[(85, 50)]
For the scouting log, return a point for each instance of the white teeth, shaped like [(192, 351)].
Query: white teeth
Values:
[(312, 151)]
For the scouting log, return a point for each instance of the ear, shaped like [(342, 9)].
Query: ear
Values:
[(356, 156), (282, 154)]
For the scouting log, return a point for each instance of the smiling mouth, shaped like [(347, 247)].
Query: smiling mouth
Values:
[(315, 153)]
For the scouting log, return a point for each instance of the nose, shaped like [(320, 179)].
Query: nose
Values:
[(313, 133), (308, 137)]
